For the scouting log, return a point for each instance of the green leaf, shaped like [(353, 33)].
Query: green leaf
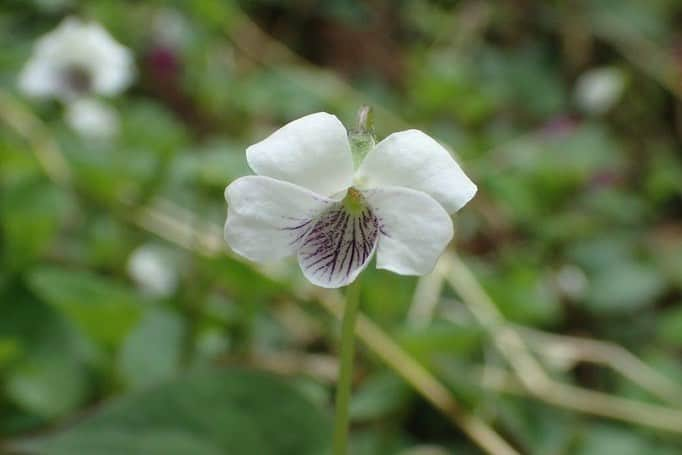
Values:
[(46, 374), (30, 218), (378, 397), (524, 294), (151, 352), (670, 326), (607, 440), (8, 350), (439, 338), (48, 385), (103, 309), (229, 411), (242, 280), (213, 165), (624, 287)]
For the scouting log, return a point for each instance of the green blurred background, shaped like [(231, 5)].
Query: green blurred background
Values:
[(125, 327)]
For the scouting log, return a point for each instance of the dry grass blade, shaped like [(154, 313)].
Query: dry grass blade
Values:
[(530, 374), (577, 349)]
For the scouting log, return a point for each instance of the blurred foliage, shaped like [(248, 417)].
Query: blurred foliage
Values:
[(577, 227)]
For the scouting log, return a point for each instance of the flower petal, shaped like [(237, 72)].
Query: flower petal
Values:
[(339, 246), (414, 229), (268, 218), (92, 119), (414, 160), (113, 66), (37, 79), (312, 152)]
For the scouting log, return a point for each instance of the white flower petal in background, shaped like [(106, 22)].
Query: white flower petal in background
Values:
[(415, 229), (312, 152), (572, 281), (77, 58), (415, 160), (170, 28), (153, 271), (598, 90), (397, 203), (38, 79), (92, 119)]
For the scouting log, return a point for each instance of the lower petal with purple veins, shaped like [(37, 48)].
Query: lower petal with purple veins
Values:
[(338, 245)]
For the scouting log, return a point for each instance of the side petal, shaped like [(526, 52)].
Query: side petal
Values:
[(38, 78), (414, 229), (267, 218), (312, 152), (414, 160), (339, 246)]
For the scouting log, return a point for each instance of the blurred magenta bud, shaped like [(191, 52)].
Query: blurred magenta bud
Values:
[(163, 63)]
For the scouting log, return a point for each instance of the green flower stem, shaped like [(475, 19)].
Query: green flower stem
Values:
[(343, 385)]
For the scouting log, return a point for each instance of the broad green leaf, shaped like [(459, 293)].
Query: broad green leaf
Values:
[(30, 218), (670, 326), (8, 350), (48, 385), (605, 440), (102, 308), (385, 295), (439, 338), (524, 294), (151, 352), (217, 412), (540, 430), (624, 287), (46, 372), (244, 282), (378, 397), (213, 165)]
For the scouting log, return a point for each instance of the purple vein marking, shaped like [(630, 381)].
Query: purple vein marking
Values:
[(337, 243)]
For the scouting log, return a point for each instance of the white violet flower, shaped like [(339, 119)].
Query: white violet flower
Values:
[(92, 119), (598, 90), (77, 58), (153, 271), (308, 200)]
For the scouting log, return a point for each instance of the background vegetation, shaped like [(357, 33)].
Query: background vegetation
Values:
[(566, 114)]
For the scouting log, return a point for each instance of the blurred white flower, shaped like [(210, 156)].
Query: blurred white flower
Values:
[(152, 271), (92, 119), (170, 28), (308, 200), (572, 281), (598, 90), (77, 58)]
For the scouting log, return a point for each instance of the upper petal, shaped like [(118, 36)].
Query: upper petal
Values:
[(414, 229), (414, 160), (268, 218), (112, 63), (339, 246), (312, 151)]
